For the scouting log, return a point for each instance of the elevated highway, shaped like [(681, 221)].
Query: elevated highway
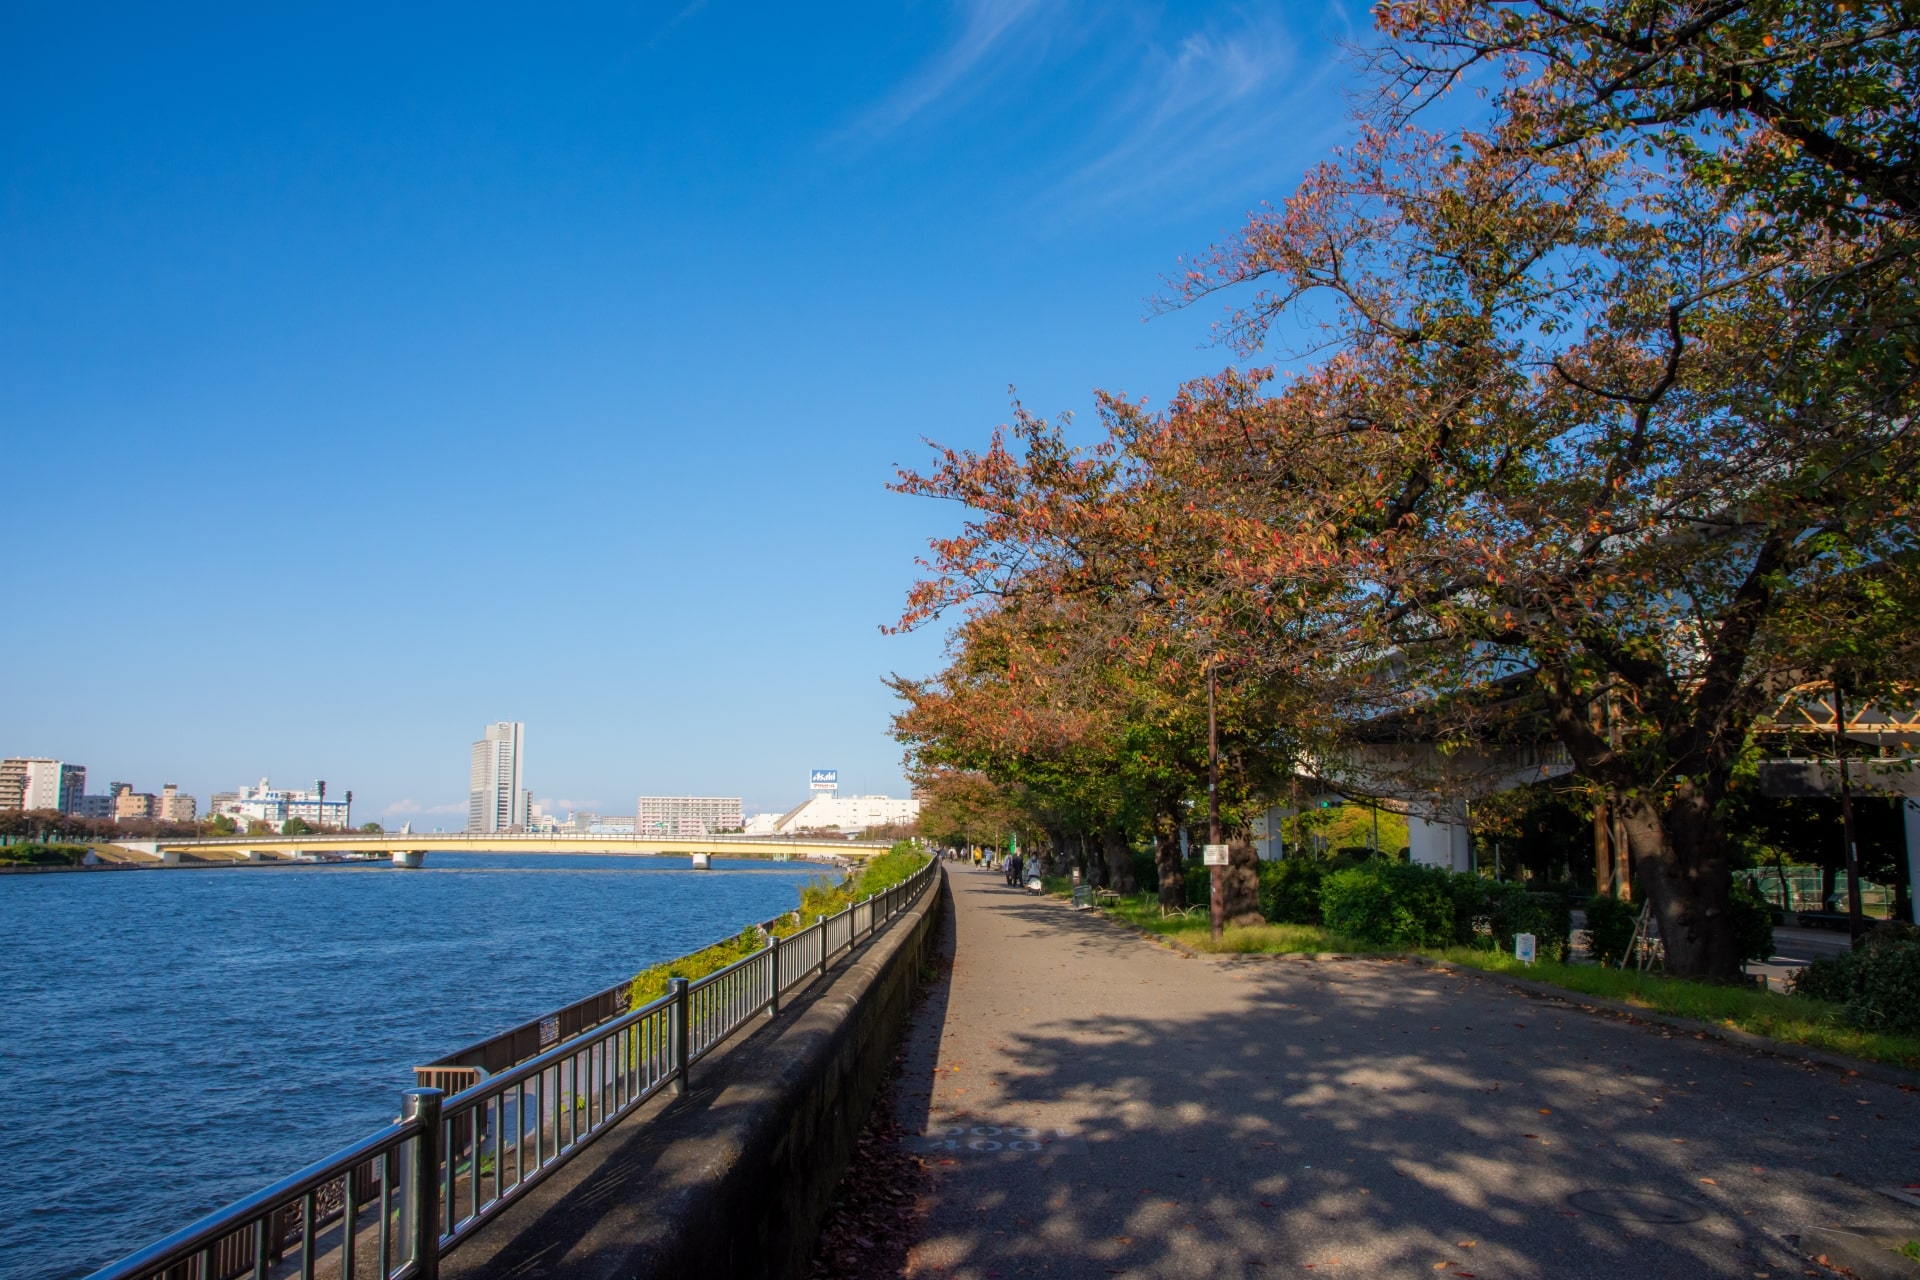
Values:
[(410, 848)]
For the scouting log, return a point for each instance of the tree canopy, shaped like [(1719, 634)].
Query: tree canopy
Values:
[(1611, 392)]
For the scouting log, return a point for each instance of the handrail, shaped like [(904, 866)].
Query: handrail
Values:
[(408, 1194)]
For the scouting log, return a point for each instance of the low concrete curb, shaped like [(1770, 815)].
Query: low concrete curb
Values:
[(736, 1178), (1868, 1252), (1860, 1067)]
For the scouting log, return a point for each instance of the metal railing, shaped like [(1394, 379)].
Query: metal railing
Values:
[(389, 1206)]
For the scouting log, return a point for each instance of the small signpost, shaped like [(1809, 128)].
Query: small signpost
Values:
[(1523, 947), (1214, 855)]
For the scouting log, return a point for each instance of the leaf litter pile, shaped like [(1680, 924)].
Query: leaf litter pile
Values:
[(876, 1207), (874, 1218)]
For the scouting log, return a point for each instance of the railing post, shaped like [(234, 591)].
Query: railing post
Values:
[(423, 1199), (682, 1037), (773, 977), (822, 927)]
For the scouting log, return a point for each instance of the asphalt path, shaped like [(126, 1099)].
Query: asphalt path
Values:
[(1094, 1103)]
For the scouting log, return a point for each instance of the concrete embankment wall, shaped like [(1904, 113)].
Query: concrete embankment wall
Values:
[(735, 1178)]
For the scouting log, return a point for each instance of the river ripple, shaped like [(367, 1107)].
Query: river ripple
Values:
[(173, 1040)]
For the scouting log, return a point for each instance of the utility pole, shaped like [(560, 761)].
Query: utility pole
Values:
[(1856, 923), (1218, 871)]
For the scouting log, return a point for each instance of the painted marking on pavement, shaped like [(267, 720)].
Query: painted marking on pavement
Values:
[(991, 1139)]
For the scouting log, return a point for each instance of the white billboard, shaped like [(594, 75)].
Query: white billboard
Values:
[(825, 780)]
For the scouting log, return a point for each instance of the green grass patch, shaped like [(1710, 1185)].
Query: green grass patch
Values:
[(1794, 1020), (1142, 911), (1814, 1024), (1910, 1249)]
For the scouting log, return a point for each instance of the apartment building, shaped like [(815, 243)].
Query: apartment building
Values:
[(687, 816)]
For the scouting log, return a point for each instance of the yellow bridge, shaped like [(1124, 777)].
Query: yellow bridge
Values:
[(410, 849)]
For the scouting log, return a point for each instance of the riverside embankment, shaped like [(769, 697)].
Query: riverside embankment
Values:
[(734, 1178)]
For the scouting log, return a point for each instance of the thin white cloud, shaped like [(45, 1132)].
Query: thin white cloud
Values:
[(1218, 107), (987, 27)]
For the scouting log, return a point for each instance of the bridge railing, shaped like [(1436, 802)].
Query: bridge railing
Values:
[(390, 1206)]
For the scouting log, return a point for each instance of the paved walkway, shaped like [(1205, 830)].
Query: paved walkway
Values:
[(1097, 1105)]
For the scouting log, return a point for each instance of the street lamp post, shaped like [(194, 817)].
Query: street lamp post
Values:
[(1856, 923), (1217, 878)]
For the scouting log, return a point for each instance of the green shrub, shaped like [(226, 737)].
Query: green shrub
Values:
[(1752, 923), (651, 983), (1610, 924), (1290, 889), (1390, 904), (1198, 883), (34, 853), (1830, 978), (1887, 995), (1513, 908), (818, 898), (1878, 981), (825, 897)]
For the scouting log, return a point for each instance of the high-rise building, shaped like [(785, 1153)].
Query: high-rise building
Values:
[(496, 792), (687, 816), (35, 782)]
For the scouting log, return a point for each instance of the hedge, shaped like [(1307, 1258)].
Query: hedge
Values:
[(1878, 981)]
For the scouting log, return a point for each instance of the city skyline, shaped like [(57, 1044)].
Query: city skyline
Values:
[(28, 781)]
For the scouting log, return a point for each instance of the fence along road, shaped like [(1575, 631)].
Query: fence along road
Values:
[(389, 1206)]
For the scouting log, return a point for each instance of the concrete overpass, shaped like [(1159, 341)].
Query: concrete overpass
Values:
[(410, 848)]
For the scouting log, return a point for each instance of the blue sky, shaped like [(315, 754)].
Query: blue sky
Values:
[(366, 377)]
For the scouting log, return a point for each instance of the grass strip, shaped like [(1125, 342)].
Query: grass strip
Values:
[(1791, 1020)]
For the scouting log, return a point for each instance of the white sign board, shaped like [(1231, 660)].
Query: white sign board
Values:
[(1213, 855), (1523, 947)]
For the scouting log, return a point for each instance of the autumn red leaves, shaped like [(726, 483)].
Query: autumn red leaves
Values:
[(1611, 389)]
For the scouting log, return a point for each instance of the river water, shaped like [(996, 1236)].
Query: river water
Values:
[(173, 1040)]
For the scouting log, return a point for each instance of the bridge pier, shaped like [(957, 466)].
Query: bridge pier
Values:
[(409, 857)]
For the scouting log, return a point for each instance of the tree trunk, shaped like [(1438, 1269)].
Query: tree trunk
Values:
[(1119, 856), (1240, 896), (1166, 861), (1681, 858)]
